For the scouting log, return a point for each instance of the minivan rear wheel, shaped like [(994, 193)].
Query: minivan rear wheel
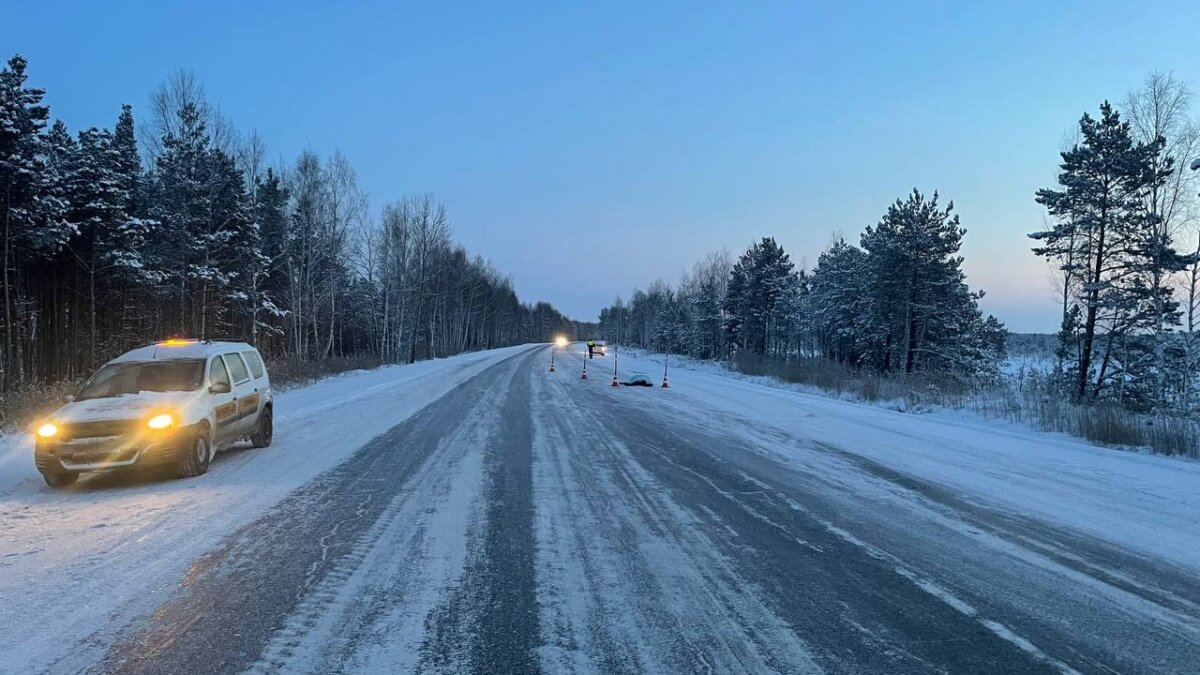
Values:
[(195, 456), (265, 431)]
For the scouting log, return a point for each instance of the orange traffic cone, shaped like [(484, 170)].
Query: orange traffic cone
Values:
[(552, 361), (666, 357)]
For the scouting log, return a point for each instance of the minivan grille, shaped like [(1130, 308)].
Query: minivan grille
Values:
[(98, 428)]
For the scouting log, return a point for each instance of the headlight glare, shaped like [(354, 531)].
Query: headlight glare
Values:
[(162, 421), (47, 430)]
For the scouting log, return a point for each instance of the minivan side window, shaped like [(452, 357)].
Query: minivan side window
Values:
[(237, 368), (217, 373), (255, 363)]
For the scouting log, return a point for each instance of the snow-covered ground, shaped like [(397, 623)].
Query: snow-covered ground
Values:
[(79, 563), (1083, 559), (1140, 501), (637, 528), (1026, 365)]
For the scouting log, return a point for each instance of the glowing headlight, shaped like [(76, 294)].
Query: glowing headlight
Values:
[(160, 421), (48, 430), (561, 341)]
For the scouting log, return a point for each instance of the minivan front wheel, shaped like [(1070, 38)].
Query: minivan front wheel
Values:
[(195, 456), (265, 431)]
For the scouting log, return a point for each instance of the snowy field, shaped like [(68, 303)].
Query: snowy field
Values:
[(1026, 365)]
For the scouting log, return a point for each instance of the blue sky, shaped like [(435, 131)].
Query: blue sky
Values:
[(590, 148)]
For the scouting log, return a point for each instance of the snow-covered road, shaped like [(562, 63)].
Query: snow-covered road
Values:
[(80, 564), (479, 514)]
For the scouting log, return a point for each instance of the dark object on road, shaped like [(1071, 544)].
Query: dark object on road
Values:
[(638, 380)]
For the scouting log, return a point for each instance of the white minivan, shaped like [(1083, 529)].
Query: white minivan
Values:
[(171, 403)]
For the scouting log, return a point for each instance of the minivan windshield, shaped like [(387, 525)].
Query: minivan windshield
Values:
[(116, 379)]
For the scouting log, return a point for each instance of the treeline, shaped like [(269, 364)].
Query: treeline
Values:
[(116, 237), (895, 304), (1125, 195)]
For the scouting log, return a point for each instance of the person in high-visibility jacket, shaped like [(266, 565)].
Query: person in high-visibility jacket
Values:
[(591, 347)]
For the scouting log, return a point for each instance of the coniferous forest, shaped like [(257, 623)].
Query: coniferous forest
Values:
[(891, 310), (176, 225), (896, 303)]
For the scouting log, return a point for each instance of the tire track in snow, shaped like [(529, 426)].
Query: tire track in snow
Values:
[(234, 600), (1100, 607), (852, 611), (628, 580), (1086, 604), (369, 615), (488, 623)]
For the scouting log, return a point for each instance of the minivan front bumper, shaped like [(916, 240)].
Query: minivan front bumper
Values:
[(105, 453)]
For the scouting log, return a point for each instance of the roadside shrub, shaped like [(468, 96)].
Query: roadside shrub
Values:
[(1105, 422), (20, 408), (292, 372), (1031, 401), (914, 391)]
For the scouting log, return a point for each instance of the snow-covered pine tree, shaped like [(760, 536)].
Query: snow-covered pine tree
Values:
[(922, 315), (200, 203), (710, 277), (1102, 225), (180, 203), (675, 330), (127, 165), (46, 262), (837, 302), (58, 157), (97, 213), (231, 239), (132, 229), (755, 301), (135, 275), (22, 119), (268, 274)]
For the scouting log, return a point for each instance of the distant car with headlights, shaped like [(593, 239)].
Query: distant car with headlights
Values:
[(172, 403)]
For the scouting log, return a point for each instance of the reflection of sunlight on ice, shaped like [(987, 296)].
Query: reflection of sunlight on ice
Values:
[(198, 569)]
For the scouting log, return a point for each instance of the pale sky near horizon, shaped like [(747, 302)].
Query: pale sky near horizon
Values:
[(590, 149)]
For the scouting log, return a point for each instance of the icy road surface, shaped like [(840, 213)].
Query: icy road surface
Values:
[(480, 514)]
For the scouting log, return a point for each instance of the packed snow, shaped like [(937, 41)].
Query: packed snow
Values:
[(1140, 501)]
